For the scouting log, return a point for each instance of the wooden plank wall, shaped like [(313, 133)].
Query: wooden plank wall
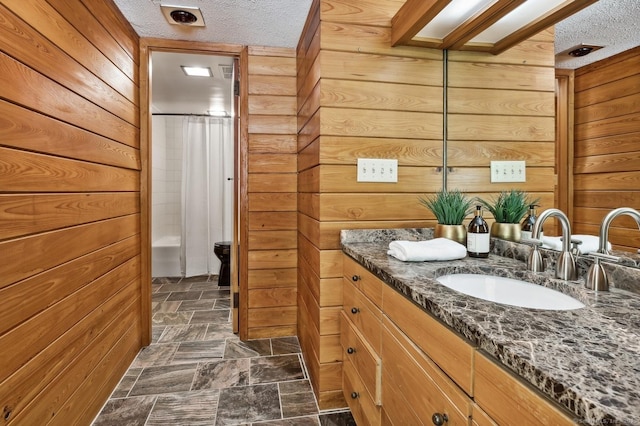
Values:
[(607, 146), (70, 276), (502, 107), (357, 97), (360, 98), (271, 187)]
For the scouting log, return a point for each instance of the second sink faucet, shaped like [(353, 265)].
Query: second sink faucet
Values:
[(566, 264), (596, 276)]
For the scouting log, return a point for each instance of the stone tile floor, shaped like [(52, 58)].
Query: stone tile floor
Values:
[(197, 372)]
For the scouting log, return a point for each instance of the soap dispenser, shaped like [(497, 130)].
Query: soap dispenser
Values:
[(528, 222), (478, 238)]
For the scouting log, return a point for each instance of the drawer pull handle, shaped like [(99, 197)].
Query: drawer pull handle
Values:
[(354, 395), (355, 310), (439, 419), (355, 278), (351, 350)]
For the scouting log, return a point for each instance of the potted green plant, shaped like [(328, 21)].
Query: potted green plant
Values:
[(450, 208), (508, 209)]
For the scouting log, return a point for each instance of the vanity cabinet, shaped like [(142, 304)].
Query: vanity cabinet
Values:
[(450, 352), (427, 392), (510, 401), (402, 366)]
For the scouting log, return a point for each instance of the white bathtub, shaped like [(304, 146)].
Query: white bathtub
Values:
[(165, 257)]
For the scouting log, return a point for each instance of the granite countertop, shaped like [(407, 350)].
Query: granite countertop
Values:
[(588, 360)]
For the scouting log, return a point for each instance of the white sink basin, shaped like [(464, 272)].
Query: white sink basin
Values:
[(509, 291)]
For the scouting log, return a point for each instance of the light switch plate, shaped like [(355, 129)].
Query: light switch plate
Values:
[(508, 171), (377, 170)]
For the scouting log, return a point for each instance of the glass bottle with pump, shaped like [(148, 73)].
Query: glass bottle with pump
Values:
[(528, 222), (478, 236)]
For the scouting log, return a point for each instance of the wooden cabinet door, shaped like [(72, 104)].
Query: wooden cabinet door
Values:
[(510, 401), (449, 351), (414, 378)]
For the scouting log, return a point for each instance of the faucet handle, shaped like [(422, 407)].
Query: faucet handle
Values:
[(575, 246), (532, 242), (604, 256)]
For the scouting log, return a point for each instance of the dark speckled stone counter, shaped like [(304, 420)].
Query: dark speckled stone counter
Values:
[(588, 360)]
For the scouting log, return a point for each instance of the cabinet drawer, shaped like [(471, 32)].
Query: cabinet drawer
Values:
[(449, 351), (426, 389), (365, 316), (363, 409), (363, 280), (362, 356), (508, 400)]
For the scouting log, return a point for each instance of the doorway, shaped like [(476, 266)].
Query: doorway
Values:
[(207, 109), (192, 164)]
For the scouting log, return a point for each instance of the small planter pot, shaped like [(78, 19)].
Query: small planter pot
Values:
[(506, 231), (456, 233)]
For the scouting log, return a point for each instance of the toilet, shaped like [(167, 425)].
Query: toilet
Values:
[(222, 249)]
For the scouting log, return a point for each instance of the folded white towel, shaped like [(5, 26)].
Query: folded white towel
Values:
[(590, 243), (420, 251)]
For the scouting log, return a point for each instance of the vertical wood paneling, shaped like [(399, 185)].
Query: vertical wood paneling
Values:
[(69, 208), (606, 149), (360, 98), (271, 189)]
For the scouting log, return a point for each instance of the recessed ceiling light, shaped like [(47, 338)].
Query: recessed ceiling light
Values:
[(197, 71)]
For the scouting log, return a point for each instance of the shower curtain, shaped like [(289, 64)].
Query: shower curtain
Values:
[(207, 192)]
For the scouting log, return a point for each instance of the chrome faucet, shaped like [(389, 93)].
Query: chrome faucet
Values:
[(566, 264), (596, 276)]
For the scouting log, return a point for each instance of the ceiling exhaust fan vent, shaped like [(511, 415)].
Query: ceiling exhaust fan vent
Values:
[(227, 71), (183, 15), (581, 50)]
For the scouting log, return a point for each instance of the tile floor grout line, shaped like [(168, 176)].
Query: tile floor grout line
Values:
[(280, 401), (155, 401), (134, 382)]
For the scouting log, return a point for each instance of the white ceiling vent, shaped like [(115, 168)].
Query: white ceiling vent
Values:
[(183, 15), (227, 71)]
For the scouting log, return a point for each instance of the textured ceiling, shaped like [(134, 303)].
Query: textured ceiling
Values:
[(614, 24), (248, 22)]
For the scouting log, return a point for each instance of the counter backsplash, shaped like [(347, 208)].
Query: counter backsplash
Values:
[(624, 275)]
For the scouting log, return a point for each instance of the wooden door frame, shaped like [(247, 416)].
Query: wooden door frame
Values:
[(239, 264), (564, 140)]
